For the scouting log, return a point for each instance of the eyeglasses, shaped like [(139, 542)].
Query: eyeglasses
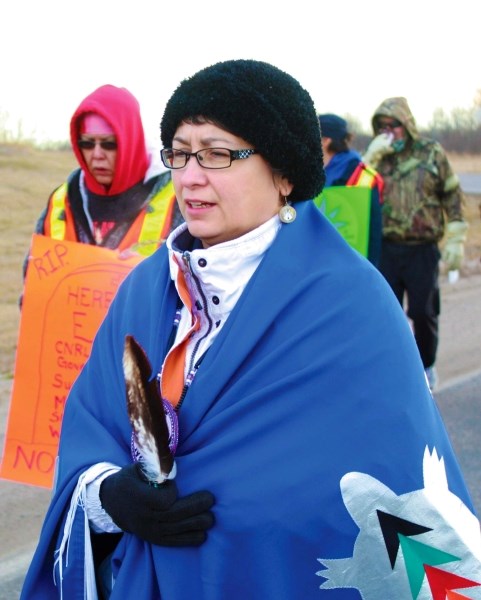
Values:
[(90, 144), (380, 125), (208, 158)]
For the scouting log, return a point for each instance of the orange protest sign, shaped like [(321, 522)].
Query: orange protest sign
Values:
[(68, 289)]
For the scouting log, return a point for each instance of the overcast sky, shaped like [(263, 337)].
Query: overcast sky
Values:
[(349, 55)]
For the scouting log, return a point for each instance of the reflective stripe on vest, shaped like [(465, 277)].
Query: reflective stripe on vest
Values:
[(362, 176), (57, 222), (156, 214)]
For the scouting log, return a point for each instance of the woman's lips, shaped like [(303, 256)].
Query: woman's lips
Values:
[(198, 204)]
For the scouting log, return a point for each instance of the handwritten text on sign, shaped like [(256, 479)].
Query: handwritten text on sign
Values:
[(68, 289)]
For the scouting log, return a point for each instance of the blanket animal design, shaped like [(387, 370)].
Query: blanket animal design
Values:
[(421, 545)]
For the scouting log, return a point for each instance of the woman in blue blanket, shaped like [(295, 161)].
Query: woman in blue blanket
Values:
[(310, 458)]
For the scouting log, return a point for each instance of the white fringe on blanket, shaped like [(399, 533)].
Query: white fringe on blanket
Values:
[(79, 500)]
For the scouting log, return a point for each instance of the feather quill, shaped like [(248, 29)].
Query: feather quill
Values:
[(147, 413)]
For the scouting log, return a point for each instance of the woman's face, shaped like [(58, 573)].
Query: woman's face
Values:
[(219, 205), (100, 155)]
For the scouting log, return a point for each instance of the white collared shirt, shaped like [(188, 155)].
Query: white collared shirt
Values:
[(216, 278)]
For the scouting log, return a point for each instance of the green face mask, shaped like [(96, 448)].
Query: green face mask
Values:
[(398, 145)]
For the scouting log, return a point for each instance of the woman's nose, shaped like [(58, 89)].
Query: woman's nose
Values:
[(193, 172), (98, 150)]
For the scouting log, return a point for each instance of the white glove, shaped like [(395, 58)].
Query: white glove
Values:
[(453, 252), (379, 147)]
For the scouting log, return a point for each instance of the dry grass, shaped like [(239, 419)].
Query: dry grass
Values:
[(465, 163), (28, 175)]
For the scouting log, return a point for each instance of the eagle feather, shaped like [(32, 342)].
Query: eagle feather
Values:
[(147, 415)]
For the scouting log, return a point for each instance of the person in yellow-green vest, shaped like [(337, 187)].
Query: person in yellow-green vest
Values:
[(120, 197), (343, 167)]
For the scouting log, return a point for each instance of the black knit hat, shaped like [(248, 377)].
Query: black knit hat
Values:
[(264, 106)]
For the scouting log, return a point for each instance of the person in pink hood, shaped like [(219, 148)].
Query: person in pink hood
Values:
[(118, 198)]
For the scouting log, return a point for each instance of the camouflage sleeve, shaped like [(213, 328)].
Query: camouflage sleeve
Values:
[(450, 193)]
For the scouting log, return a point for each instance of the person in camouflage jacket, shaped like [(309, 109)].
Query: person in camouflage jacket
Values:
[(423, 202)]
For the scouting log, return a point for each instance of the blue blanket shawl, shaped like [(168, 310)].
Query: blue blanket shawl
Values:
[(309, 420)]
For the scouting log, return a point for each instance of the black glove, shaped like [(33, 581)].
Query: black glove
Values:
[(154, 513)]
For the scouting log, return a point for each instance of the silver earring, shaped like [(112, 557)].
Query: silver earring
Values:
[(287, 213)]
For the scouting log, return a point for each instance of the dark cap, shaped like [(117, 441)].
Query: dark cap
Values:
[(333, 126), (263, 105)]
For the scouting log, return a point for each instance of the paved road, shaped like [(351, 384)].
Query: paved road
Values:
[(22, 507), (470, 182), (459, 404)]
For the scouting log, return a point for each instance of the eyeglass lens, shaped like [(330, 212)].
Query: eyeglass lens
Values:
[(209, 158)]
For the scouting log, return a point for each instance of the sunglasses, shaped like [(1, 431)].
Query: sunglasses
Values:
[(388, 124), (90, 144)]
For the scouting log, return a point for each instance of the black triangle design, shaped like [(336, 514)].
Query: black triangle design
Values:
[(391, 526)]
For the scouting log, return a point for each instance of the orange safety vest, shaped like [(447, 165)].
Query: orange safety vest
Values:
[(364, 176), (145, 235)]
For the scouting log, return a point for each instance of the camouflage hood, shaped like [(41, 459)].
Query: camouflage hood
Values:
[(397, 108)]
